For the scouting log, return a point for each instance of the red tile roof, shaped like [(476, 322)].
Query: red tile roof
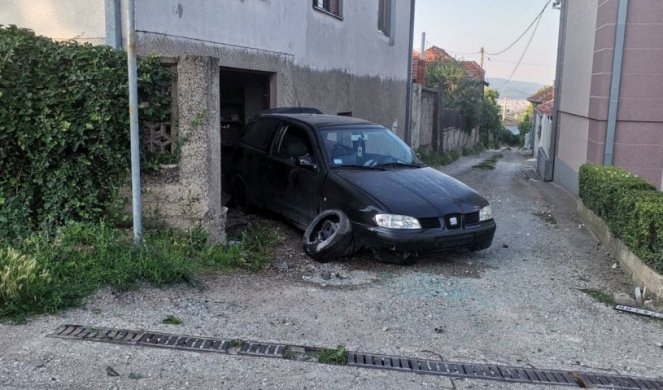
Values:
[(474, 70), (544, 100), (547, 93), (435, 53)]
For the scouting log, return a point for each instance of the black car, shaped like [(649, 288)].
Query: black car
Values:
[(353, 185)]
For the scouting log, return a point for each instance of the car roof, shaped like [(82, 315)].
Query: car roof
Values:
[(322, 120)]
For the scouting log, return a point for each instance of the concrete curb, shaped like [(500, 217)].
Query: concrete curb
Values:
[(640, 273)]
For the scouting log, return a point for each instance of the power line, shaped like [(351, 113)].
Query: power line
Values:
[(536, 19), (529, 42)]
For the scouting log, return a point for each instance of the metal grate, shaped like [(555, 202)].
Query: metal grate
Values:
[(262, 349), (359, 359), (148, 339), (501, 373)]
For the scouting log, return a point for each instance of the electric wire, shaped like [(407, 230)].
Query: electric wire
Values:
[(536, 19), (520, 60)]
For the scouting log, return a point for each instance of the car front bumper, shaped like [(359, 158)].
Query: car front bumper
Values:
[(424, 240)]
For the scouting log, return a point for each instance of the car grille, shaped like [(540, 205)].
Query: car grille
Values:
[(430, 223), (471, 219), (463, 220)]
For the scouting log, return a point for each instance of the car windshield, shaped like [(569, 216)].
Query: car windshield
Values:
[(368, 147)]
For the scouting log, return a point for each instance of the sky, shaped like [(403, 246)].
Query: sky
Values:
[(462, 27)]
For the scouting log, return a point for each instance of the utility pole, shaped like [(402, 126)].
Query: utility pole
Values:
[(133, 123), (423, 46), (482, 55)]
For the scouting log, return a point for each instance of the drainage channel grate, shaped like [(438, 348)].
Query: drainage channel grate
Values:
[(364, 360), (501, 373)]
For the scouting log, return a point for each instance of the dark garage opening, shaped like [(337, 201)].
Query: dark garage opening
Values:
[(243, 94)]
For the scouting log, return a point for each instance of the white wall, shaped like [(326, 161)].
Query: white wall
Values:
[(58, 19), (578, 56), (293, 27)]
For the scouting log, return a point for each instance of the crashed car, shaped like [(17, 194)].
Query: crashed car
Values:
[(354, 185)]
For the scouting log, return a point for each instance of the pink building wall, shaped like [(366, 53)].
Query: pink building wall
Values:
[(639, 131)]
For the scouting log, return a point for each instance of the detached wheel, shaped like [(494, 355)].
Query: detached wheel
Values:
[(241, 196), (390, 257), (329, 236)]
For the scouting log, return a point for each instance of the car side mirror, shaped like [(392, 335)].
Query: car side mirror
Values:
[(305, 162)]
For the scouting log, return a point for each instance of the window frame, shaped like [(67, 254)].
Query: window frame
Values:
[(321, 8), (384, 17)]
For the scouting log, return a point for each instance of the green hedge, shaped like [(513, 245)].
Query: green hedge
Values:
[(64, 128), (631, 207)]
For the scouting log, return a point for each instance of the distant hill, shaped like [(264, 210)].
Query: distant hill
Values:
[(515, 89)]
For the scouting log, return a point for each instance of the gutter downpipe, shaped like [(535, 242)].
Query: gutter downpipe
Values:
[(408, 97), (561, 37), (133, 120), (615, 82)]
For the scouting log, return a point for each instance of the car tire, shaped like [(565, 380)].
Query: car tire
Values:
[(390, 257), (329, 236), (241, 196)]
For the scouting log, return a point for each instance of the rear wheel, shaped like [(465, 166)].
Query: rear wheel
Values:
[(329, 236), (241, 195)]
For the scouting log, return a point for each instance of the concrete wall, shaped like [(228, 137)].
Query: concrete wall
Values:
[(335, 64), (57, 19), (427, 118)]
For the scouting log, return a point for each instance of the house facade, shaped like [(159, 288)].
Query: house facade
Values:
[(236, 58), (609, 93)]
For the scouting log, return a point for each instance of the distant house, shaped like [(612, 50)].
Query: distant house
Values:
[(433, 54), (541, 134), (607, 117)]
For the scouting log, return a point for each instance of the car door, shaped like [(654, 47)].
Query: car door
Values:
[(295, 175), (252, 155)]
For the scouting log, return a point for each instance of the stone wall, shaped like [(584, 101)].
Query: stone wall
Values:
[(189, 194)]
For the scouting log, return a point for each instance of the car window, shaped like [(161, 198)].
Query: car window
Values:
[(370, 146), (259, 134), (294, 144)]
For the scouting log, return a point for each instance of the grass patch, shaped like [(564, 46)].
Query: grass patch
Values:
[(488, 164), (600, 295), (47, 273), (333, 356), (433, 158), (236, 343), (171, 320), (546, 217)]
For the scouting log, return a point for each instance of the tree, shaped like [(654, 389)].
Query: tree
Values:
[(460, 91), (491, 119)]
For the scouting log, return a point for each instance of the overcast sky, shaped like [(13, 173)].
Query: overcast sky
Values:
[(462, 27)]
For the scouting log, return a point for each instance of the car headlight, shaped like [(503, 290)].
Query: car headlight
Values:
[(485, 214), (392, 221)]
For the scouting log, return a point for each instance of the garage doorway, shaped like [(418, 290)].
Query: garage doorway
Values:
[(243, 94)]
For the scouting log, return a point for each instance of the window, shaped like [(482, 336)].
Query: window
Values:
[(259, 134), (295, 144), (384, 17), (333, 7)]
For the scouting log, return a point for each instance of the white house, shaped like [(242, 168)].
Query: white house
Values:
[(237, 57)]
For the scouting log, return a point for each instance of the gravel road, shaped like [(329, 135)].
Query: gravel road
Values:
[(518, 303)]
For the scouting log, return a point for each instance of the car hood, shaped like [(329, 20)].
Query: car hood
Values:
[(419, 192)]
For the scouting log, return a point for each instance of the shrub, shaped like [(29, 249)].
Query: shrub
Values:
[(82, 257), (631, 207), (21, 278), (64, 128)]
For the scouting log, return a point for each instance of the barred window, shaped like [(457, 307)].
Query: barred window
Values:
[(384, 17), (334, 7)]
